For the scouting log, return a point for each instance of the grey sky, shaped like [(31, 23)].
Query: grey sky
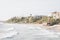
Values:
[(10, 8)]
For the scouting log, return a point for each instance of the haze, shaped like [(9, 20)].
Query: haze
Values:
[(11, 8)]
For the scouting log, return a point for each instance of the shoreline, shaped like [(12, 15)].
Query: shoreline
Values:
[(54, 27)]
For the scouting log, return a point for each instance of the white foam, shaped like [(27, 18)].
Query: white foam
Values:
[(6, 31), (10, 34)]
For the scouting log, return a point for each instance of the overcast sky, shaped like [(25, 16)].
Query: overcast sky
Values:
[(10, 8)]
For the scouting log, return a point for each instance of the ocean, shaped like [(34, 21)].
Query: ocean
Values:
[(30, 32)]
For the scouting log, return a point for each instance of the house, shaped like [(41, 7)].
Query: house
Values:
[(56, 15)]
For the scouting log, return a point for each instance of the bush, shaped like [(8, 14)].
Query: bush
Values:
[(57, 21)]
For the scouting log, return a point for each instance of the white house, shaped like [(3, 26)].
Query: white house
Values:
[(56, 15)]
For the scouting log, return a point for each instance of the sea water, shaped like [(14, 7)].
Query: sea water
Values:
[(31, 32)]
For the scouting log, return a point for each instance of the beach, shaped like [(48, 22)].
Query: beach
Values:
[(32, 32)]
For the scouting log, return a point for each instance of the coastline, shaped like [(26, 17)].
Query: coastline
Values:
[(44, 26), (54, 27), (35, 28)]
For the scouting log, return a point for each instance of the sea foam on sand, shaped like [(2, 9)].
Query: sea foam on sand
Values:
[(31, 30), (6, 31)]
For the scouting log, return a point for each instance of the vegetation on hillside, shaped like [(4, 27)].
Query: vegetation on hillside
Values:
[(34, 19), (29, 19)]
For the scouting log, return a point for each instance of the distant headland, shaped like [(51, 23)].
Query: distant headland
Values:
[(38, 19)]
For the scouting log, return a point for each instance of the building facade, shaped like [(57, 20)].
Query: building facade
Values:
[(56, 15)]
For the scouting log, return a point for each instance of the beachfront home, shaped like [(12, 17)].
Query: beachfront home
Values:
[(56, 15)]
